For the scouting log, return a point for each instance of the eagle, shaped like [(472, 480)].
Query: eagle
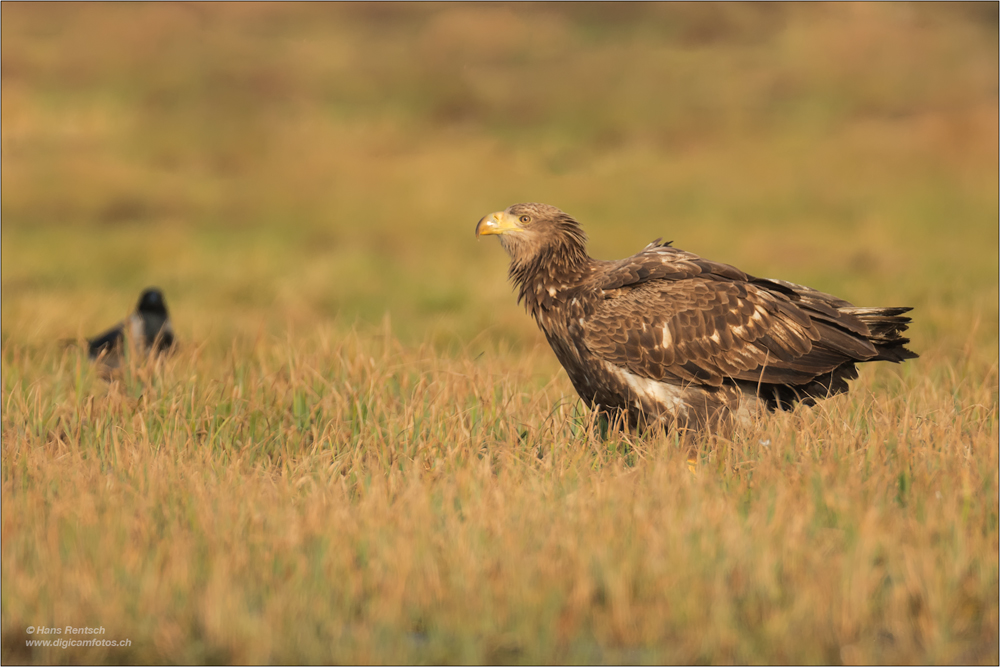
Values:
[(667, 338)]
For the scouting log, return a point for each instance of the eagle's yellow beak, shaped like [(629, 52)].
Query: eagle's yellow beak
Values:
[(497, 223)]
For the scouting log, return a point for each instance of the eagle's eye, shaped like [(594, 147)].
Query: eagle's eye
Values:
[(525, 218)]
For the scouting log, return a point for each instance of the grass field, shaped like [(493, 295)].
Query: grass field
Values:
[(364, 452)]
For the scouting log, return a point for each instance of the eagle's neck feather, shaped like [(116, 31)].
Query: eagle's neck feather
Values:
[(543, 276)]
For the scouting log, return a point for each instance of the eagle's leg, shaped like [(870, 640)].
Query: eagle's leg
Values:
[(611, 420)]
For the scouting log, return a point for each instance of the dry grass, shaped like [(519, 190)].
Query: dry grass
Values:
[(364, 451), (356, 501)]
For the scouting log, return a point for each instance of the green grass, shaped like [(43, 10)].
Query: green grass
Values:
[(364, 451)]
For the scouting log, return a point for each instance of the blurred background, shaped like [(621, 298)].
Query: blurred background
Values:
[(279, 167)]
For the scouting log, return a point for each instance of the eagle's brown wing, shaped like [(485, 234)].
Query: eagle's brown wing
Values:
[(670, 315)]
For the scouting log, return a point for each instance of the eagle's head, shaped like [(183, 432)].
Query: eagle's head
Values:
[(529, 232)]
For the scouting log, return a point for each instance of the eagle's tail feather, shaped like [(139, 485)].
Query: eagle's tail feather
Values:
[(886, 326)]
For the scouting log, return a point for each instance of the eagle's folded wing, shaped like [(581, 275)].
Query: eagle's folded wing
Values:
[(706, 328)]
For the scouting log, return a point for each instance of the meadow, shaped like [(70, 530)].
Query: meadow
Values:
[(363, 450)]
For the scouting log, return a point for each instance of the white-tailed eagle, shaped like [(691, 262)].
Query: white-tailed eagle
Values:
[(667, 337)]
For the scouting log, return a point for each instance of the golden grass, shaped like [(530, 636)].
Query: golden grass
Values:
[(363, 451), (355, 501)]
